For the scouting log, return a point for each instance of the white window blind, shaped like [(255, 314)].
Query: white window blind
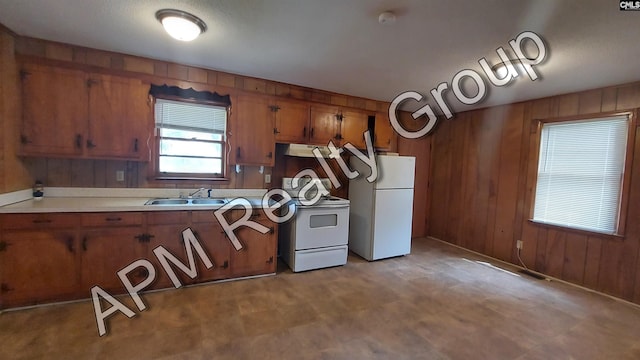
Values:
[(580, 173), (191, 137)]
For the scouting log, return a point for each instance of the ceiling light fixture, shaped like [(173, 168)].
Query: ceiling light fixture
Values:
[(181, 25), (387, 18)]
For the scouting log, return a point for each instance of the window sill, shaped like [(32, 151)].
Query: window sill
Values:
[(611, 236), (192, 178)]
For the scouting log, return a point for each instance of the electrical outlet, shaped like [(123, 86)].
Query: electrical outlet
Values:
[(519, 244), (267, 178), (120, 175)]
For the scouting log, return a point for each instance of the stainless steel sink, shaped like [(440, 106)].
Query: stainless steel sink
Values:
[(198, 201), (167, 202), (208, 201)]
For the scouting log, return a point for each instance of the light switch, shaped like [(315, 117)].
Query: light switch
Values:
[(120, 175), (267, 178)]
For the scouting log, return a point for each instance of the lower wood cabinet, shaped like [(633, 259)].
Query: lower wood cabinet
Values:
[(55, 257), (211, 237), (104, 252), (259, 251), (37, 266)]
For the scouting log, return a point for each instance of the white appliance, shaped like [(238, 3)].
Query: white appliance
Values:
[(381, 211), (318, 234)]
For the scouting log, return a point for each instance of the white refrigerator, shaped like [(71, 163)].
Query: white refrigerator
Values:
[(381, 211)]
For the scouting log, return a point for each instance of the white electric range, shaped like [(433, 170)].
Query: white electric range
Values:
[(318, 235)]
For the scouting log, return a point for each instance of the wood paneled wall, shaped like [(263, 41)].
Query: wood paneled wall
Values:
[(13, 174), (102, 173), (482, 182)]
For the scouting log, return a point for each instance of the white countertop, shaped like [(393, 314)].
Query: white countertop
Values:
[(103, 200)]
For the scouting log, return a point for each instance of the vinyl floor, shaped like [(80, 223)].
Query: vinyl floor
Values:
[(440, 302)]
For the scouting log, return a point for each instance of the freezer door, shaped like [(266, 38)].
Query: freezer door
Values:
[(392, 226), (395, 172)]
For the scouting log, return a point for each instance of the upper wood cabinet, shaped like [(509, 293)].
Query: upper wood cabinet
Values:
[(353, 126), (385, 137), (55, 111), (292, 121), (325, 124), (71, 113), (119, 118), (252, 139)]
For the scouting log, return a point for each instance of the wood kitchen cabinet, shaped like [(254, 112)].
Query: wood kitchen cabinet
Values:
[(108, 243), (210, 234), (119, 118), (253, 140), (385, 136), (353, 126), (54, 111), (38, 255), (292, 122), (325, 125), (50, 257), (166, 230), (72, 113), (259, 251)]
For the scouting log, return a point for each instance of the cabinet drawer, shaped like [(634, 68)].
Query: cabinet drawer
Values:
[(112, 219), (38, 221), (167, 217)]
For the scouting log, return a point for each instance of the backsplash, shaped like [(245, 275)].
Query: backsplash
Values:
[(102, 174)]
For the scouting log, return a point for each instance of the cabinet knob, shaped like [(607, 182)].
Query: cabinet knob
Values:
[(270, 154), (70, 244), (84, 243), (225, 264), (304, 132), (135, 145), (90, 144), (78, 141), (270, 261), (275, 131), (311, 133), (238, 153)]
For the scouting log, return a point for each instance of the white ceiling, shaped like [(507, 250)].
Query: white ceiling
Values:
[(339, 46)]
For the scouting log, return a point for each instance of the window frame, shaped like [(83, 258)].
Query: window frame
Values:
[(189, 176), (536, 131)]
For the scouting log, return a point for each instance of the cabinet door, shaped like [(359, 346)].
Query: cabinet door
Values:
[(54, 111), (106, 251), (385, 136), (325, 125), (292, 122), (253, 141), (170, 238), (259, 251), (217, 246), (119, 118), (37, 266), (354, 125)]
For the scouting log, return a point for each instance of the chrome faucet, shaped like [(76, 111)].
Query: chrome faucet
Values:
[(196, 192)]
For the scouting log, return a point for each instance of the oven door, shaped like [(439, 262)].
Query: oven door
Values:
[(319, 226)]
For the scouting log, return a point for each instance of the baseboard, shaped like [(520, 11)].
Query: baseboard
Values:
[(550, 278)]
